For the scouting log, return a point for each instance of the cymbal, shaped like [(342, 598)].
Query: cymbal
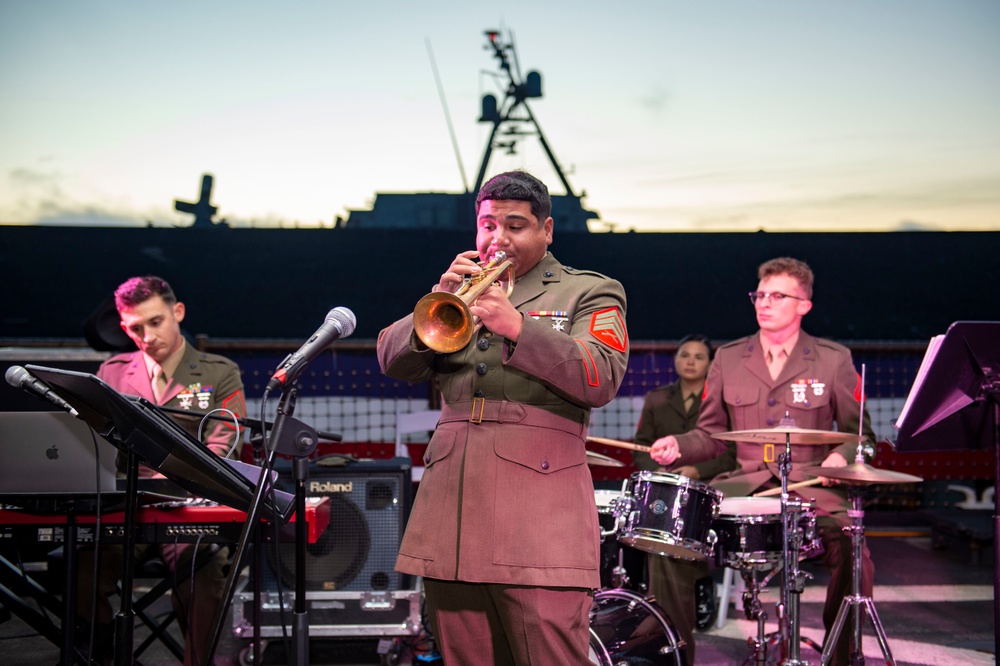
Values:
[(861, 474), (794, 435), (601, 460)]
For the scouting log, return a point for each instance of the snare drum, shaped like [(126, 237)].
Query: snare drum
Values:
[(626, 628), (668, 515), (749, 531)]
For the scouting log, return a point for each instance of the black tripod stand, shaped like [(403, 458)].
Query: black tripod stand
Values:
[(855, 600)]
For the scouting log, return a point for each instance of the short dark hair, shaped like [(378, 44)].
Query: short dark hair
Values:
[(140, 289), (518, 186), (697, 337), (788, 266)]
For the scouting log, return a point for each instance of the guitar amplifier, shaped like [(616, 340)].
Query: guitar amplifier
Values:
[(351, 587)]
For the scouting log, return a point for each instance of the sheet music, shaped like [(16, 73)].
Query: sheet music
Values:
[(932, 349)]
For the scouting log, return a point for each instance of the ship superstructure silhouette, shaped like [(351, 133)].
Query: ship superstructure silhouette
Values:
[(512, 121)]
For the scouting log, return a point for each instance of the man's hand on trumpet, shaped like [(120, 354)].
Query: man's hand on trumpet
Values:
[(465, 264), (494, 309)]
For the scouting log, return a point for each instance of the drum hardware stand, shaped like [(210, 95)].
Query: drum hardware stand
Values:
[(792, 578), (754, 610), (857, 658), (752, 607), (857, 532), (619, 576)]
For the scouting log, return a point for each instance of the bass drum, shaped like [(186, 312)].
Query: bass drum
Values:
[(626, 628)]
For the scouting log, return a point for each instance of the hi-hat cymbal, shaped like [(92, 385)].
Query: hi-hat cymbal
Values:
[(793, 434), (602, 460), (861, 474)]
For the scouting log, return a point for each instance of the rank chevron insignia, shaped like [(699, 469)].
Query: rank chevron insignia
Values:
[(609, 327)]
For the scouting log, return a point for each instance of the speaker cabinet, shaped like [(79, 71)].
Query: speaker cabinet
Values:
[(369, 503)]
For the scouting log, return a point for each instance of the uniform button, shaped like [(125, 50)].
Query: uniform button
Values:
[(548, 273), (772, 402), (483, 344), (545, 464), (770, 422), (427, 460), (806, 350), (479, 394), (481, 369), (738, 401)]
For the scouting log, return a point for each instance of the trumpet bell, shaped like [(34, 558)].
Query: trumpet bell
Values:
[(443, 322)]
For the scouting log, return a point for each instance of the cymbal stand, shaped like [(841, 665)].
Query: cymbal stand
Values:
[(857, 532), (792, 578)]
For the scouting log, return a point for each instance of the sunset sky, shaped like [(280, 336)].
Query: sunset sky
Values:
[(716, 115)]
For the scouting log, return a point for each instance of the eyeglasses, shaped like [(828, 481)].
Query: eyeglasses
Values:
[(775, 296)]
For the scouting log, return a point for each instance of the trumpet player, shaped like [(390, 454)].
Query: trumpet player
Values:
[(504, 528)]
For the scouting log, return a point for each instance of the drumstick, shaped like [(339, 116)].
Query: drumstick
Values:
[(620, 444), (791, 486)]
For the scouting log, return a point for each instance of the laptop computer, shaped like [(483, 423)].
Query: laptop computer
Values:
[(53, 453)]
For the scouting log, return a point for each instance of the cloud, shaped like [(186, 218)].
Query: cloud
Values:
[(655, 100)]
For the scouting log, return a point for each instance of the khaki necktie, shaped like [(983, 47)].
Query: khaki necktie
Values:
[(776, 361), (159, 382)]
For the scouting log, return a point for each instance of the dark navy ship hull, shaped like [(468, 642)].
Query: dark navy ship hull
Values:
[(255, 283)]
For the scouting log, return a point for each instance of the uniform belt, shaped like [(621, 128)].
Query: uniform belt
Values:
[(481, 410)]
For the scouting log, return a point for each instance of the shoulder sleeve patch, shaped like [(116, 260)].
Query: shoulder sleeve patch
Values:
[(609, 328), (236, 404)]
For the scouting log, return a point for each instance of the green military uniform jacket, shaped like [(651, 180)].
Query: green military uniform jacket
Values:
[(663, 414), (202, 382), (506, 496), (818, 387)]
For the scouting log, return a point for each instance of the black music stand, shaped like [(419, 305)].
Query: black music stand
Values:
[(145, 434), (955, 405)]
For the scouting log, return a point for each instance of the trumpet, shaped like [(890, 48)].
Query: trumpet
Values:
[(443, 321)]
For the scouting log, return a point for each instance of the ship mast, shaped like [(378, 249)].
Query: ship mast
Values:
[(513, 113)]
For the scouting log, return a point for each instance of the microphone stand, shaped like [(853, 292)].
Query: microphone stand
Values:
[(125, 618), (289, 437)]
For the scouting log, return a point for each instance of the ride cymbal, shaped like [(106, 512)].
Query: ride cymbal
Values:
[(861, 474), (792, 434)]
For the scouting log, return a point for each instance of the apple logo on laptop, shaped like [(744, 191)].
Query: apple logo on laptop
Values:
[(52, 453)]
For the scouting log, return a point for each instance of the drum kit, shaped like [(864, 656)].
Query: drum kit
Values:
[(670, 515)]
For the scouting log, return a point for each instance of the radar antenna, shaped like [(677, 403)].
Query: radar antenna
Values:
[(508, 114)]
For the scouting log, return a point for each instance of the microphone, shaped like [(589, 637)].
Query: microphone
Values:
[(339, 323), (20, 378)]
